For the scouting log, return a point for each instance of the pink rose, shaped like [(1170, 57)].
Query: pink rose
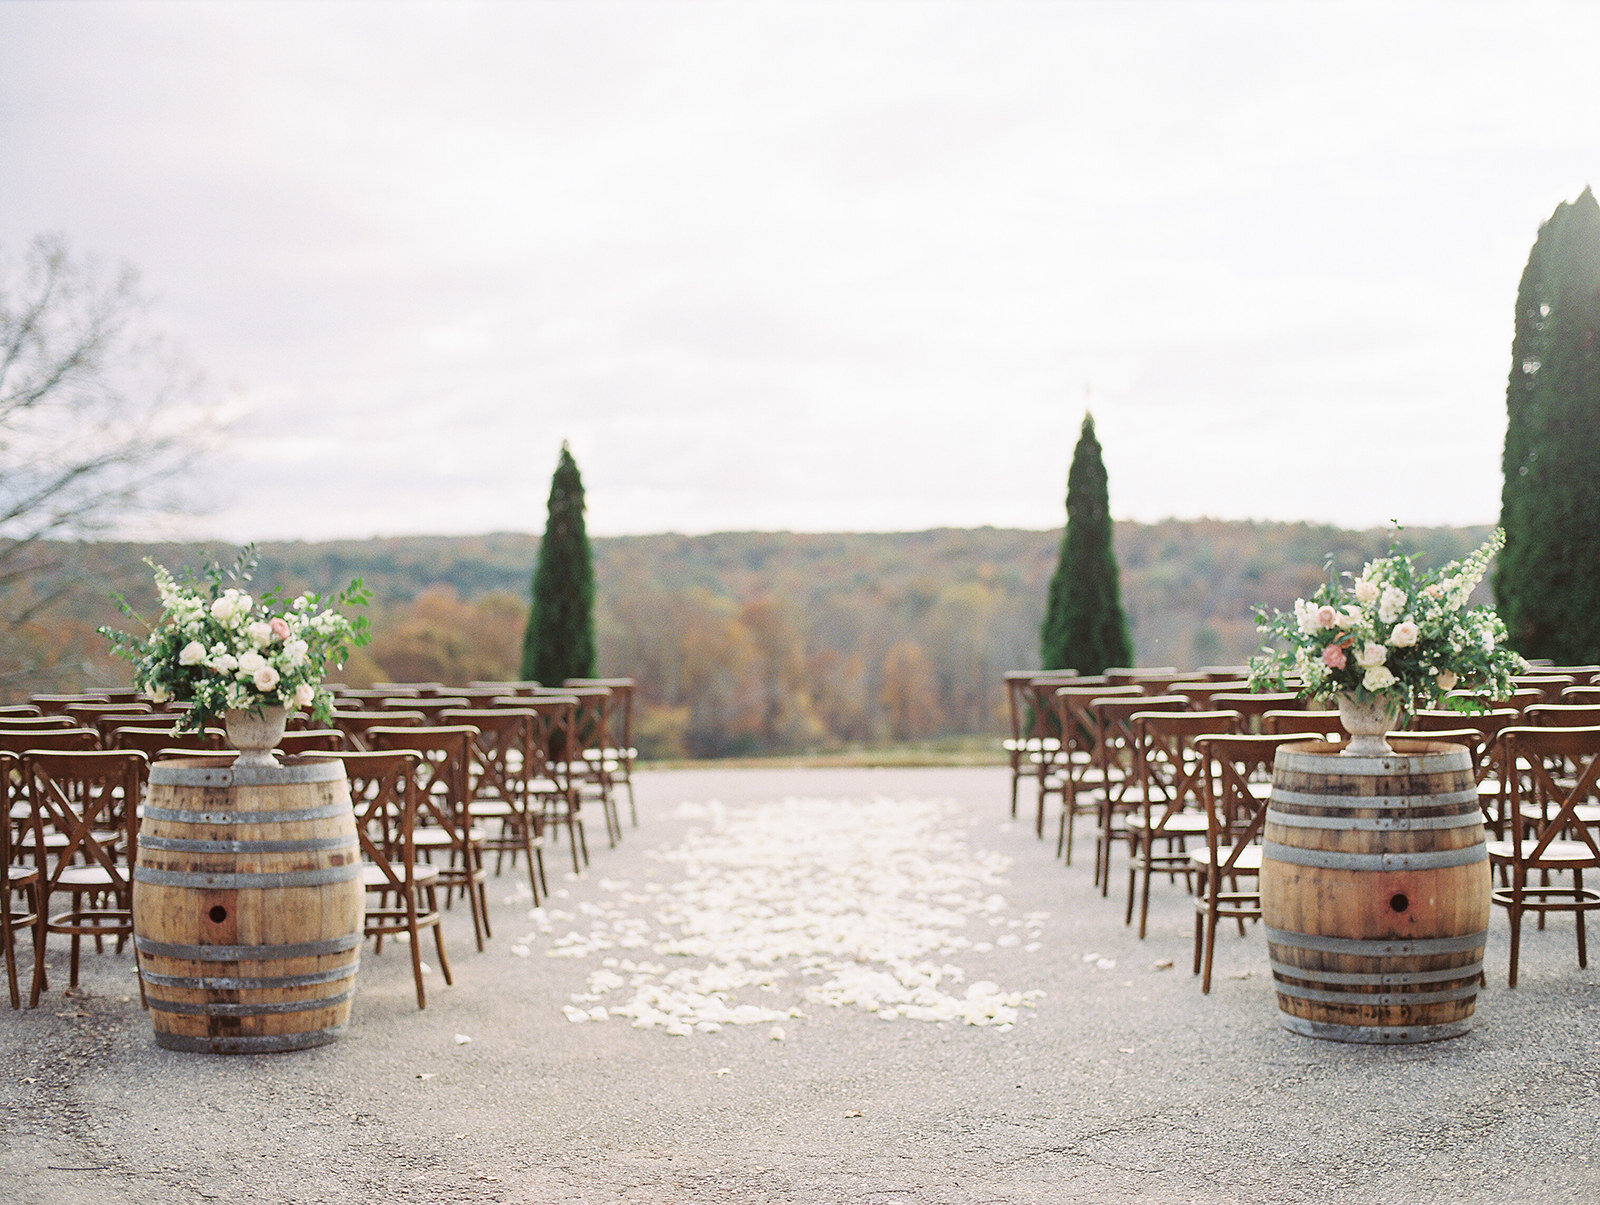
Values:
[(1333, 656), (280, 628), (1327, 617)]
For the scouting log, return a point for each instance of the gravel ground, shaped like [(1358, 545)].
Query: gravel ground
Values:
[(1121, 1083)]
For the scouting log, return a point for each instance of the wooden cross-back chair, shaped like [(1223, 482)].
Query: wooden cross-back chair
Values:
[(18, 722), (1070, 769), (443, 796), (593, 778), (618, 732), (402, 891), (1021, 746), (1171, 797), (152, 741), (1488, 762), (92, 799), (1238, 772), (17, 878), (1304, 723), (355, 724), (551, 788), (1111, 724), (1554, 777), (498, 780), (1252, 705)]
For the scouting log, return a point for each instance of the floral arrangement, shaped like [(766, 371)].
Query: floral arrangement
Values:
[(215, 648), (1392, 631)]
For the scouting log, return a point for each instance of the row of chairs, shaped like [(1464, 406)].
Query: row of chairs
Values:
[(437, 785), (1160, 775)]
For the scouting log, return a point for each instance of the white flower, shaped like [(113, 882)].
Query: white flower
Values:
[(304, 695), (1392, 604), (1305, 616), (265, 678), (260, 633), (1366, 592), (1371, 655), (225, 607), (1404, 635), (1488, 640), (1351, 617), (294, 652), (250, 662), (1446, 680), (159, 694), (1378, 678), (193, 653), (224, 663)]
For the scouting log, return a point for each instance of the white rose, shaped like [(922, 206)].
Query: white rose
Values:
[(1404, 635), (1351, 617), (1392, 604), (1378, 678), (224, 608), (251, 663), (294, 652), (224, 663), (1366, 592), (193, 653), (265, 678), (304, 695), (259, 632), (1371, 655)]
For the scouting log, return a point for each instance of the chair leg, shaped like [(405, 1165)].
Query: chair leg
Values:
[(1514, 917), (1577, 916)]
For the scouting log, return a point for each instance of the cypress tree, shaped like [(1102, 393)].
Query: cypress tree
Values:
[(1084, 628), (1547, 579), (559, 642)]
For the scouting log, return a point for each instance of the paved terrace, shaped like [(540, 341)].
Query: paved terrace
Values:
[(818, 986)]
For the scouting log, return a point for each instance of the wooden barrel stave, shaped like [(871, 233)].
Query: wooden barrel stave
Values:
[(248, 905), (1375, 892)]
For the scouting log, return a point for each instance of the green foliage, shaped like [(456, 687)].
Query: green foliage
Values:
[(1547, 580), (559, 642), (1084, 628)]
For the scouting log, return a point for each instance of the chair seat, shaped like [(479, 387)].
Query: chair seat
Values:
[(373, 878), (91, 878), (1558, 855), (1184, 824), (490, 809), (1249, 861), (437, 838)]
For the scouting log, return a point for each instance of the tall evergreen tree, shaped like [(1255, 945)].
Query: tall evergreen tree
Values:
[(559, 642), (1547, 579), (1084, 628)]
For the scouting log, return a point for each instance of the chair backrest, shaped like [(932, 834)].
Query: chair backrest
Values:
[(502, 756), (1073, 723), (444, 770), (429, 707), (58, 704), (1581, 694), (1238, 771), (312, 740), (1200, 691), (92, 798), (151, 741), (383, 796), (354, 724), (1562, 715), (551, 723), (1168, 766), (1255, 704), (1549, 686), (14, 721), (1491, 723), (1111, 720), (67, 739), (1309, 723), (90, 714), (1552, 772), (591, 723), (619, 717), (1515, 701)]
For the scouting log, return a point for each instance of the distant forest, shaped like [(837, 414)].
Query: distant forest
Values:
[(746, 642)]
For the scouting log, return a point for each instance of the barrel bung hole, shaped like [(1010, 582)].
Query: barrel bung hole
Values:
[(218, 914), (1399, 902)]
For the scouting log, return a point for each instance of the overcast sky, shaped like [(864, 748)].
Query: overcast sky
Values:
[(847, 266)]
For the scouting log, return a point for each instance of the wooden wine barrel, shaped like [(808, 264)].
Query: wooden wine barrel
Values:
[(1375, 891), (248, 904)]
